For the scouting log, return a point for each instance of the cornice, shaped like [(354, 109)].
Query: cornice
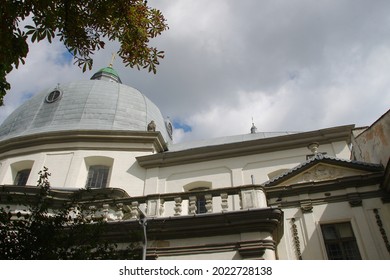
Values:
[(59, 197), (324, 186), (264, 145), (212, 224), (85, 140), (247, 249)]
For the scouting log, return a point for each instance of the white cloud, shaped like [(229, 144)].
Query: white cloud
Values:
[(292, 66)]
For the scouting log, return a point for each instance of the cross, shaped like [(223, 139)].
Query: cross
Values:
[(112, 59)]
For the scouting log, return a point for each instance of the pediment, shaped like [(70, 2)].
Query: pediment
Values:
[(323, 168), (322, 172)]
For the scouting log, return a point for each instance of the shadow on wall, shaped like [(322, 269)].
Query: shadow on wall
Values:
[(344, 232)]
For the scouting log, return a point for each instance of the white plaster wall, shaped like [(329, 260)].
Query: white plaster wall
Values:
[(232, 172), (69, 169), (221, 239), (362, 219)]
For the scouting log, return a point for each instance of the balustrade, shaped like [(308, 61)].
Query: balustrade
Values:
[(179, 204)]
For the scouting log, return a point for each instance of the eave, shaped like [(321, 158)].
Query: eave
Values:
[(83, 140), (264, 145), (324, 186)]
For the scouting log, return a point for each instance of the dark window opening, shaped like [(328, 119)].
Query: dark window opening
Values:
[(22, 177), (340, 242), (200, 201), (200, 205)]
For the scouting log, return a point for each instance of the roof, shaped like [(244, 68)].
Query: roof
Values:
[(225, 140), (84, 105), (107, 73), (242, 145)]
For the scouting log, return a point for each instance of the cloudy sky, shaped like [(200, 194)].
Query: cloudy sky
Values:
[(292, 65)]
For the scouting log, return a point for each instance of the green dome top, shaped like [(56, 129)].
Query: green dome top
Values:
[(108, 74)]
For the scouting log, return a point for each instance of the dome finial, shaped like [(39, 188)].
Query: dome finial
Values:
[(253, 128), (113, 55)]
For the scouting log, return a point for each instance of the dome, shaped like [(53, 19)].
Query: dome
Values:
[(108, 74), (102, 103)]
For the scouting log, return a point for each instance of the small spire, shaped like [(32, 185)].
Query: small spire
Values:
[(313, 147), (253, 128)]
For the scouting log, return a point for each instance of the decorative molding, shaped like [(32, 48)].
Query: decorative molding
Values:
[(355, 200), (297, 244), (329, 186), (306, 207), (381, 229), (120, 140), (267, 220), (323, 172), (255, 249), (355, 203)]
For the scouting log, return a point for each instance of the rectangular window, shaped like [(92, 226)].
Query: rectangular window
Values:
[(97, 176), (340, 242)]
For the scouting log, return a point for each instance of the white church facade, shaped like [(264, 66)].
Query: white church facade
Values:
[(320, 194)]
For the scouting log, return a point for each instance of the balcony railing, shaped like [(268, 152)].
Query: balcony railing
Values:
[(178, 204)]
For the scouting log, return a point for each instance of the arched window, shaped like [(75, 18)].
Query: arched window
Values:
[(20, 172), (97, 176)]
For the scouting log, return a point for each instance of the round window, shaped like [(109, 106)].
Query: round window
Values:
[(53, 96)]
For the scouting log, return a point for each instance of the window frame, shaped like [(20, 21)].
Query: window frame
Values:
[(23, 172), (104, 181), (340, 243)]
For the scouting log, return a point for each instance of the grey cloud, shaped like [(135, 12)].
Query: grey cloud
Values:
[(304, 64)]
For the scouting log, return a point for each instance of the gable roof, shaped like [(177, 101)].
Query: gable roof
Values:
[(320, 158)]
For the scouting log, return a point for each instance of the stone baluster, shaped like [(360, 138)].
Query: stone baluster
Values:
[(192, 205), (91, 216), (177, 207), (224, 202), (119, 213), (105, 212), (161, 209), (134, 210), (209, 202)]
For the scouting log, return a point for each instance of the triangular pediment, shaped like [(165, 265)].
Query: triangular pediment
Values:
[(323, 172), (323, 169)]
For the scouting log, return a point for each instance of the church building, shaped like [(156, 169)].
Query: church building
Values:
[(313, 195)]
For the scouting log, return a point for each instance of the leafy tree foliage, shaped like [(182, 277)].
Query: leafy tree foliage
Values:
[(42, 233), (82, 26)]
